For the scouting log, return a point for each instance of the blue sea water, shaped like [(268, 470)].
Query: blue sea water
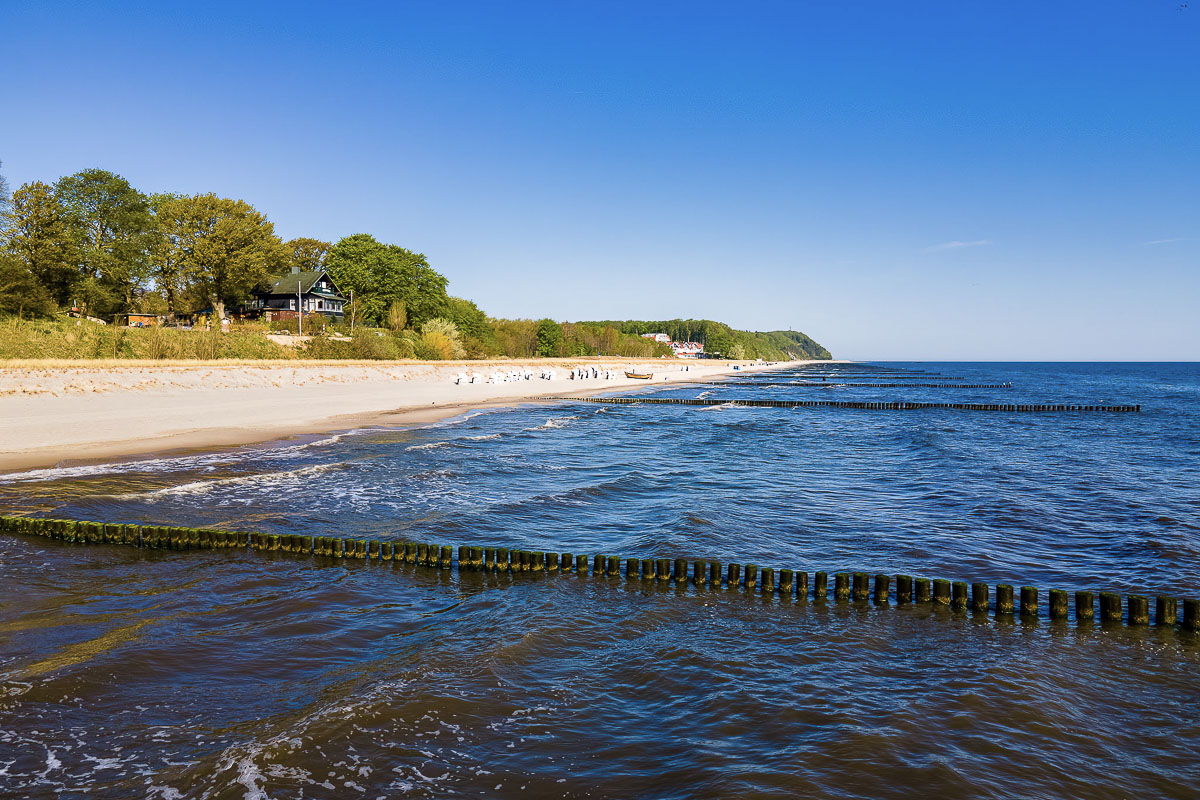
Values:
[(219, 674)]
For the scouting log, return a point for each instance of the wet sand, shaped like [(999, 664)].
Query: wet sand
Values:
[(53, 413)]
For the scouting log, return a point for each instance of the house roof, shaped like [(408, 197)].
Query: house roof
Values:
[(303, 282)]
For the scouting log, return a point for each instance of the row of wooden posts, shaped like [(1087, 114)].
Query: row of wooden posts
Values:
[(863, 587), (836, 384), (893, 406)]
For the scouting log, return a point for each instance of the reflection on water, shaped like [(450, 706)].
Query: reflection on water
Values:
[(218, 674)]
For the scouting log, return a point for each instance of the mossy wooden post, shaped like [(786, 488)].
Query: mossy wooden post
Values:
[(820, 587), (489, 559), (502, 559), (733, 576), (714, 574), (614, 566), (700, 573), (1191, 614), (537, 561), (663, 570), (567, 563), (766, 580), (801, 582), (552, 562), (193, 539), (1166, 610), (841, 586), (581, 568), (275, 543), (922, 590), (1138, 609), (979, 598), (360, 548), (751, 574), (411, 552), (647, 569), (787, 579), (958, 595), (632, 569), (1085, 607), (598, 565), (464, 557), (1004, 600), (941, 592), (385, 551), (373, 549), (447, 556), (904, 589), (1110, 607), (1029, 601), (861, 590), (883, 589), (422, 553), (1059, 604), (681, 571)]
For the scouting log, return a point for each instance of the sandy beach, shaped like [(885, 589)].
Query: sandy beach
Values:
[(68, 412)]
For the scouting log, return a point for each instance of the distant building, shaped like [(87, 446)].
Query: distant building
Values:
[(658, 337), (315, 292), (687, 349)]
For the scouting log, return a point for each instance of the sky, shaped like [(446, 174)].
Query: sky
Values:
[(915, 180)]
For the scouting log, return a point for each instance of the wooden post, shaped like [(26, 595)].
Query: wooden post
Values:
[(663, 569), (489, 559), (632, 569), (1166, 610), (841, 586), (647, 569), (733, 576), (714, 574), (1110, 607), (958, 595), (766, 580), (373, 549), (566, 563), (464, 557), (581, 568), (447, 556), (1191, 614), (614, 566), (525, 559), (862, 586), (883, 589), (941, 592), (923, 591), (700, 573), (787, 579), (904, 589), (979, 597), (1029, 601), (502, 564), (1085, 607), (1058, 604), (422, 553), (1139, 609), (820, 587), (1004, 600), (385, 551), (751, 577)]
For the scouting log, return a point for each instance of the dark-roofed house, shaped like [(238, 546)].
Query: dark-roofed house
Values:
[(315, 292)]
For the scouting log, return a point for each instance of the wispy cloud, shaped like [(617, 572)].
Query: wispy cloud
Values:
[(1168, 241), (956, 244)]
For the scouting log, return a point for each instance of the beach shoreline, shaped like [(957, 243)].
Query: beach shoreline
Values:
[(79, 412)]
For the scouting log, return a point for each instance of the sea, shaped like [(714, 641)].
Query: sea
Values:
[(127, 672)]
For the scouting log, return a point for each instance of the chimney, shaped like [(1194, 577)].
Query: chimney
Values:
[(295, 270)]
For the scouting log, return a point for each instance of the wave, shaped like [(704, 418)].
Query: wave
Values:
[(204, 487)]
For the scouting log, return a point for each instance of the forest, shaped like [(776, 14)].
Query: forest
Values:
[(92, 246)]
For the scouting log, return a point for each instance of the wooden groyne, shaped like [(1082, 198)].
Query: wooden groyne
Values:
[(859, 587), (871, 406)]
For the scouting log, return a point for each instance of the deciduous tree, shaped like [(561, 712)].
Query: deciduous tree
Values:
[(38, 232)]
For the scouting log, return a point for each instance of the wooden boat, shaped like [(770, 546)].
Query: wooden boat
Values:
[(641, 376)]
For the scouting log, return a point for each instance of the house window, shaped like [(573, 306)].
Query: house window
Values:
[(292, 305), (320, 305)]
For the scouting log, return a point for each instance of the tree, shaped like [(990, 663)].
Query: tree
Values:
[(397, 316), (440, 339), (38, 232), (4, 198), (550, 341), (20, 292), (307, 254), (228, 249), (113, 231), (173, 225), (382, 273)]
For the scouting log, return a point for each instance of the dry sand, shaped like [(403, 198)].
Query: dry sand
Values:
[(67, 412)]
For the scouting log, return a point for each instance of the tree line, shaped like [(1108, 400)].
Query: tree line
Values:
[(94, 242)]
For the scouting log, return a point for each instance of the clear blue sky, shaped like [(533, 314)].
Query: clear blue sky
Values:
[(910, 180)]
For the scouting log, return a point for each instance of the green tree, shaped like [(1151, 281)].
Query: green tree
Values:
[(38, 232), (113, 231), (173, 226), (382, 273), (550, 340), (307, 254), (20, 292), (228, 249), (397, 316)]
